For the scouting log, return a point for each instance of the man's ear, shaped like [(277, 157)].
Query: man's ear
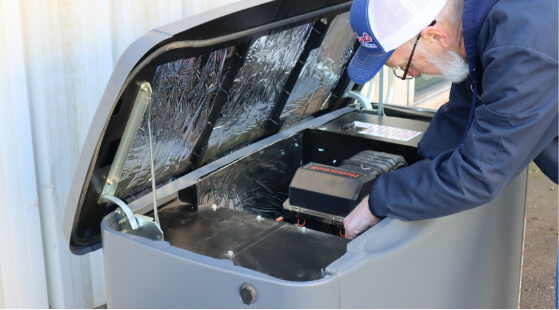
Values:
[(436, 36)]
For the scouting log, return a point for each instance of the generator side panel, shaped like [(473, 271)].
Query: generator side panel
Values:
[(467, 260)]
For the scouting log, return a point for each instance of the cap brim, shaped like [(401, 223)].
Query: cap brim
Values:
[(364, 65)]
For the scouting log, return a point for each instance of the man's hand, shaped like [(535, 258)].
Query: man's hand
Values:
[(359, 220)]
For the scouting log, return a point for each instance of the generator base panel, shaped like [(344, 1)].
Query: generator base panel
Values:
[(281, 250)]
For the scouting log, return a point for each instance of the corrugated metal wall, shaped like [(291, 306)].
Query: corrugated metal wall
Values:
[(56, 57)]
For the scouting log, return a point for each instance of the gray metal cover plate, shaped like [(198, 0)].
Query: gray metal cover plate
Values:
[(284, 251)]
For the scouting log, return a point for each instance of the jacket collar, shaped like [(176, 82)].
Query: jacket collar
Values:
[(473, 17)]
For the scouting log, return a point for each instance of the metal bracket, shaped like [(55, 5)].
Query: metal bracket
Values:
[(361, 99), (338, 221), (135, 224), (322, 73), (317, 215), (296, 209)]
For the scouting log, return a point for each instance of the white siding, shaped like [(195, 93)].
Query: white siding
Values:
[(22, 271), (56, 57)]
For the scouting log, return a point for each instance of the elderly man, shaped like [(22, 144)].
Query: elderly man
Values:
[(502, 111)]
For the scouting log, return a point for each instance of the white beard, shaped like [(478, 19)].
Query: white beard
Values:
[(453, 67)]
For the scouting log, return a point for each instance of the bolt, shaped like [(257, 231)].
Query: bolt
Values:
[(259, 218), (214, 207), (110, 182), (144, 88), (230, 254), (248, 294), (303, 229), (122, 221), (124, 231)]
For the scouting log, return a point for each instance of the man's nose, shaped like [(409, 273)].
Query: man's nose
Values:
[(413, 72)]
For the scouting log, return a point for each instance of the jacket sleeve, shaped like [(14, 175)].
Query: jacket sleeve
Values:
[(516, 122)]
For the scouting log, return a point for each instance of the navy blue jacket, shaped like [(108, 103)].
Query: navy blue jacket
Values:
[(511, 46)]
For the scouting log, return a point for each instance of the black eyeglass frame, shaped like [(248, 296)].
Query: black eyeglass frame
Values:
[(404, 77)]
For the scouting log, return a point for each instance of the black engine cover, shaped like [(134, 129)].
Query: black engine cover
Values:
[(336, 191)]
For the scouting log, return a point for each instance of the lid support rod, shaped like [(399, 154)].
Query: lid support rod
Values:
[(153, 188), (142, 102), (136, 115)]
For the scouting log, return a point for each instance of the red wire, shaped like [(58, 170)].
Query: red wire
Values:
[(341, 235), (304, 222)]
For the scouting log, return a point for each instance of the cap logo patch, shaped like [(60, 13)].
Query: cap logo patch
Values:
[(365, 40)]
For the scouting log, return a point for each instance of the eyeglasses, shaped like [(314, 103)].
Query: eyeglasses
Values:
[(403, 74)]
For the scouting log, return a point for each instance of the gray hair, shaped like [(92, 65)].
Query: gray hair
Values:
[(451, 14)]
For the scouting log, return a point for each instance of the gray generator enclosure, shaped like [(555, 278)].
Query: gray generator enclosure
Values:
[(220, 155)]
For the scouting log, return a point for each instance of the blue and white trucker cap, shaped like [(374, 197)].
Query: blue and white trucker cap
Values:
[(383, 25)]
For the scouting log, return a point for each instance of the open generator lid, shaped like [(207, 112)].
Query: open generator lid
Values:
[(206, 86)]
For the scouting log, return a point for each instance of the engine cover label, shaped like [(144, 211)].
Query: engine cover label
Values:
[(332, 170), (388, 132)]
